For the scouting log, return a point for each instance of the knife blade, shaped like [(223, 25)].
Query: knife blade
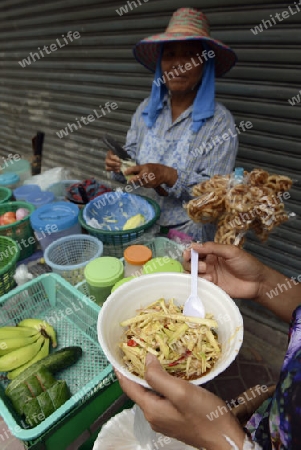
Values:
[(115, 147), (122, 154)]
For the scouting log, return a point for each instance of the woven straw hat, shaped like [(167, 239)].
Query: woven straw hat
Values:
[(186, 24)]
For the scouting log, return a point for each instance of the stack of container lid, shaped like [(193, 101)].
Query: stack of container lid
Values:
[(55, 220), (20, 167), (33, 194), (9, 180)]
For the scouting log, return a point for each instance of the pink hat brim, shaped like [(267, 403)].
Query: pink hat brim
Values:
[(147, 51)]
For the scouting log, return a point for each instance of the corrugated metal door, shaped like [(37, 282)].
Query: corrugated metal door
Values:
[(75, 77)]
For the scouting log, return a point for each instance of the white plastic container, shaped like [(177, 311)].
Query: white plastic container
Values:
[(138, 293), (53, 221), (135, 256)]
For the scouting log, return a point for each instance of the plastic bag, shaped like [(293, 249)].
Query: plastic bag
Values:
[(119, 434), (206, 208), (49, 177), (22, 275), (240, 202)]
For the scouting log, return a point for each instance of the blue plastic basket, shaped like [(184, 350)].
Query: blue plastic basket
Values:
[(74, 317), (69, 255), (117, 208), (120, 207)]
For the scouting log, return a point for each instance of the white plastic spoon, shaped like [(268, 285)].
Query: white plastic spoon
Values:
[(193, 306)]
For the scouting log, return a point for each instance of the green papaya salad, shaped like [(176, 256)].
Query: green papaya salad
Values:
[(186, 347)]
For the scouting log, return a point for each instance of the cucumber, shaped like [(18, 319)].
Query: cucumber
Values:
[(55, 362)]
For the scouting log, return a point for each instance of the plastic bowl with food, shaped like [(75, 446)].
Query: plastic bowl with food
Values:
[(140, 292)]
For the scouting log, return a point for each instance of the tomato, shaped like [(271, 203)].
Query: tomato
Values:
[(131, 343), (181, 359), (8, 218)]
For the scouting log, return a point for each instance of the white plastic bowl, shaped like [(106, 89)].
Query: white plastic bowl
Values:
[(121, 432), (140, 292)]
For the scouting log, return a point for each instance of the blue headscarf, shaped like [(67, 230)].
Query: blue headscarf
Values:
[(204, 102)]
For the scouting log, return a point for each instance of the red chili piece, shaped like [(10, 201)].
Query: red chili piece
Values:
[(188, 352)]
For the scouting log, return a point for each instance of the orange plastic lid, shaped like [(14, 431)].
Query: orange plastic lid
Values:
[(137, 255)]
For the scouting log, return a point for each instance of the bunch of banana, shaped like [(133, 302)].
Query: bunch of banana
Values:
[(23, 345), (41, 326)]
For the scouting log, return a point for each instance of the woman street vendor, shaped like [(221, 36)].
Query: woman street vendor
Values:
[(180, 134)]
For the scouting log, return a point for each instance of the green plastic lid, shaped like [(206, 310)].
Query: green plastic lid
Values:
[(162, 264), (121, 282), (104, 271), (17, 166)]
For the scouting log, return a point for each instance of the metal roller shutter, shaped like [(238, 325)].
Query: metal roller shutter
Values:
[(99, 67)]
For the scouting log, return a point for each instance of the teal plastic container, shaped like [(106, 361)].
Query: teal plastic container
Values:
[(21, 167), (9, 180)]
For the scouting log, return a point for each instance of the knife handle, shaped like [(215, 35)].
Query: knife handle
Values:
[(161, 191)]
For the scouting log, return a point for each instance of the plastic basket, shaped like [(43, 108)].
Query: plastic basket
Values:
[(5, 194), (121, 237), (68, 256), (161, 246), (60, 188), (9, 254), (20, 231), (82, 286), (74, 318)]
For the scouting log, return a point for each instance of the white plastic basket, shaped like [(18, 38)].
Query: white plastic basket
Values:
[(68, 256)]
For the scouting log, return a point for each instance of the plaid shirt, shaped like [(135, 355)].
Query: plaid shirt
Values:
[(212, 151)]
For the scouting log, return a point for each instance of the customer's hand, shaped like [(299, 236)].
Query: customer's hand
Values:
[(112, 162), (185, 412), (232, 269), (152, 175)]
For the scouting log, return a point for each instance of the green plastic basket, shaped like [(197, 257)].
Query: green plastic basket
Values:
[(9, 254), (122, 237), (5, 194), (74, 318), (19, 231)]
